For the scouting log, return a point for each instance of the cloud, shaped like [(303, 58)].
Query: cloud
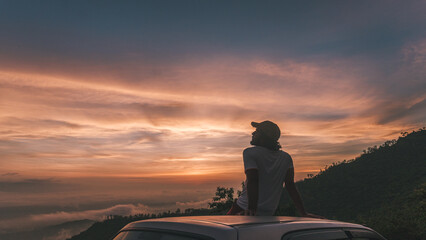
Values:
[(193, 204), (407, 110), (414, 55), (413, 113), (9, 174), (81, 122), (64, 234), (33, 185), (316, 92), (122, 210), (39, 220), (14, 122), (344, 27), (96, 106)]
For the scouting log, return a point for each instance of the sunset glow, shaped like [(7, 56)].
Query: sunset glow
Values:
[(134, 107)]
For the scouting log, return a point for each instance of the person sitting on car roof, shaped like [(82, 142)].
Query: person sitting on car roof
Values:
[(267, 168)]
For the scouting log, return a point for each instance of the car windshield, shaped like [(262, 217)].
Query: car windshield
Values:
[(151, 235)]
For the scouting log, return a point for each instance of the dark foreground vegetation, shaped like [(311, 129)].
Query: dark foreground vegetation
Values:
[(384, 188)]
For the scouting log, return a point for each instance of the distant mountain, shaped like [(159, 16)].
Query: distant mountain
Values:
[(55, 232)]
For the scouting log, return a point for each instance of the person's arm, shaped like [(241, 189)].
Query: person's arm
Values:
[(294, 194), (252, 176)]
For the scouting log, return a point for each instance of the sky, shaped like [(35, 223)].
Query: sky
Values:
[(146, 106)]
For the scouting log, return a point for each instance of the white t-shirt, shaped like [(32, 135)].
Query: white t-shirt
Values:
[(272, 167)]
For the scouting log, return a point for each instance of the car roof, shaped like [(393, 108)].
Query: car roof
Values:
[(223, 227), (234, 221)]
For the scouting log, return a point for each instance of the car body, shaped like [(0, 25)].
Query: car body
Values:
[(244, 228)]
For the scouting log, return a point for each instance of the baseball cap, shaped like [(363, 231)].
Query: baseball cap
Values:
[(270, 129)]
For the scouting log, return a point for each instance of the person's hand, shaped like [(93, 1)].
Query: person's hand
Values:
[(248, 212), (310, 215)]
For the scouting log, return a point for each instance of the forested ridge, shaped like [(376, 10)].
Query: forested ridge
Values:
[(384, 188)]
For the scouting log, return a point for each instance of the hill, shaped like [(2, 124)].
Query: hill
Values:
[(55, 232), (367, 189)]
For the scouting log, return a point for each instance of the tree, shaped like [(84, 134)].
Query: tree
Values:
[(222, 201)]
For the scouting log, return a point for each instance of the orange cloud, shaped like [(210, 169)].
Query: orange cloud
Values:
[(189, 118)]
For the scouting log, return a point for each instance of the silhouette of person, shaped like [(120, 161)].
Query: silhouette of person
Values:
[(267, 168)]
